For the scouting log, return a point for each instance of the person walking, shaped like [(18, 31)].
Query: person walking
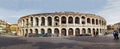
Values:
[(116, 34)]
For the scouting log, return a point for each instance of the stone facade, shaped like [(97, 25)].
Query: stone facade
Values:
[(4, 27), (14, 28), (61, 24), (117, 26)]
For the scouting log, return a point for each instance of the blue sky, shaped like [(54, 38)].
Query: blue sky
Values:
[(12, 10)]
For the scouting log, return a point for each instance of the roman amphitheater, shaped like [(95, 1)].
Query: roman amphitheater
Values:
[(62, 24)]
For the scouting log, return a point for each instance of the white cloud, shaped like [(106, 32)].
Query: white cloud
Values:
[(111, 11)]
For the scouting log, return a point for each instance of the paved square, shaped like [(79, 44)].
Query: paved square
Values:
[(81, 42)]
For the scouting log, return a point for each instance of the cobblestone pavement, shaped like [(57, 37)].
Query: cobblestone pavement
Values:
[(82, 42)]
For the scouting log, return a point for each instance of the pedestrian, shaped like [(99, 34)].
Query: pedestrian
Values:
[(116, 34)]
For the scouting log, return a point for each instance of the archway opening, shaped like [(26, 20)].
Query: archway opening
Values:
[(93, 21), (49, 32), (70, 31), (49, 21), (36, 31), (31, 21), (89, 30), (70, 20), (94, 32), (77, 20), (37, 21), (42, 31), (77, 32), (56, 31), (31, 31), (42, 21), (63, 32), (96, 21), (83, 20), (63, 20), (56, 19), (83, 31), (88, 20)]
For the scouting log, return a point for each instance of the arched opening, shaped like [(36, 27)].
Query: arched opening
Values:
[(88, 20), (49, 21), (20, 32), (83, 31), (31, 31), (31, 21), (26, 34), (89, 30), (63, 20), (27, 22), (100, 22), (77, 20), (83, 20), (77, 32), (42, 31), (70, 20), (83, 17), (97, 32), (36, 31), (37, 21), (94, 31), (49, 32), (23, 32), (70, 32), (26, 31), (93, 21), (96, 21), (56, 19), (63, 32), (100, 30), (105, 23), (56, 31), (42, 21)]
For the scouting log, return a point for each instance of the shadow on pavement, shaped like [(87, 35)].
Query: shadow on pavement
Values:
[(94, 39), (9, 41), (49, 45)]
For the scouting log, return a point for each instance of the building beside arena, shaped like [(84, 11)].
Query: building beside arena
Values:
[(62, 24), (4, 27), (117, 26)]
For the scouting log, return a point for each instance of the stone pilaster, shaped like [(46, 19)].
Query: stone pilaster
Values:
[(59, 32), (34, 21), (74, 32), (39, 21), (46, 21), (59, 20), (67, 34), (74, 21), (53, 22)]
